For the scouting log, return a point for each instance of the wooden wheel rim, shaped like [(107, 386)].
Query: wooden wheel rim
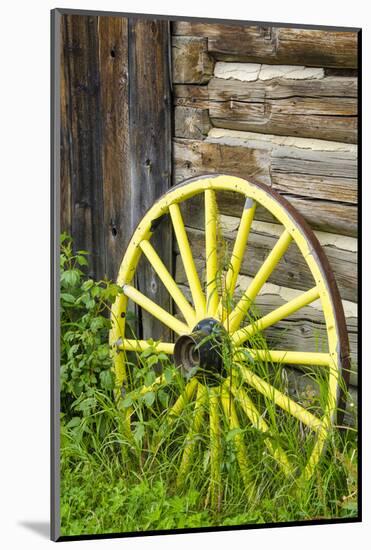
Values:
[(295, 229)]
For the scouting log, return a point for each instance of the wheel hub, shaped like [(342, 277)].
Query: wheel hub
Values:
[(200, 353)]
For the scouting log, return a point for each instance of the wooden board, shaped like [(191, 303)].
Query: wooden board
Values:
[(81, 129), (115, 139), (150, 148), (114, 85), (277, 45), (190, 60)]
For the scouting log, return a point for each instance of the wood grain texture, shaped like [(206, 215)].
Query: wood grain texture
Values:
[(322, 185), (84, 130), (323, 109), (188, 95), (191, 61), (65, 136), (150, 148), (116, 139), (191, 123), (258, 44), (113, 65), (196, 157)]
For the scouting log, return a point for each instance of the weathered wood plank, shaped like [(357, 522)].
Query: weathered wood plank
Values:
[(313, 168), (338, 88), (113, 65), (328, 215), (324, 108), (191, 123), (191, 62), (85, 136), (192, 157), (188, 95), (65, 136), (315, 174), (315, 181), (150, 147), (275, 45)]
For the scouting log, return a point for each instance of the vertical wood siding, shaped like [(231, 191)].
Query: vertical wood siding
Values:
[(115, 138)]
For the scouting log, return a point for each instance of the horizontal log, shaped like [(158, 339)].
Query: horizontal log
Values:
[(320, 108), (324, 118), (192, 157), (315, 174), (341, 72), (312, 168), (277, 45), (190, 60), (322, 185), (282, 88)]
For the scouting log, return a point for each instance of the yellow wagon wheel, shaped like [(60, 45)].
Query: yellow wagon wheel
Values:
[(236, 391)]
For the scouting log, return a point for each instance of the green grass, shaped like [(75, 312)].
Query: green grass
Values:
[(112, 483)]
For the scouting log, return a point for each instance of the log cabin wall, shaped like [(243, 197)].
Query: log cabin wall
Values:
[(280, 106)]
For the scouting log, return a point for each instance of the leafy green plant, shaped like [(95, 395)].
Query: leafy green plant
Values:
[(85, 354)]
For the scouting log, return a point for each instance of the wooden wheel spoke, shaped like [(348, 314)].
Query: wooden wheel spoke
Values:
[(141, 345), (276, 315), (234, 319), (155, 310), (169, 283), (283, 356), (190, 441), (280, 399), (316, 453), (215, 450), (212, 298), (259, 423), (147, 389), (175, 411), (237, 253), (231, 415), (188, 261), (182, 400)]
